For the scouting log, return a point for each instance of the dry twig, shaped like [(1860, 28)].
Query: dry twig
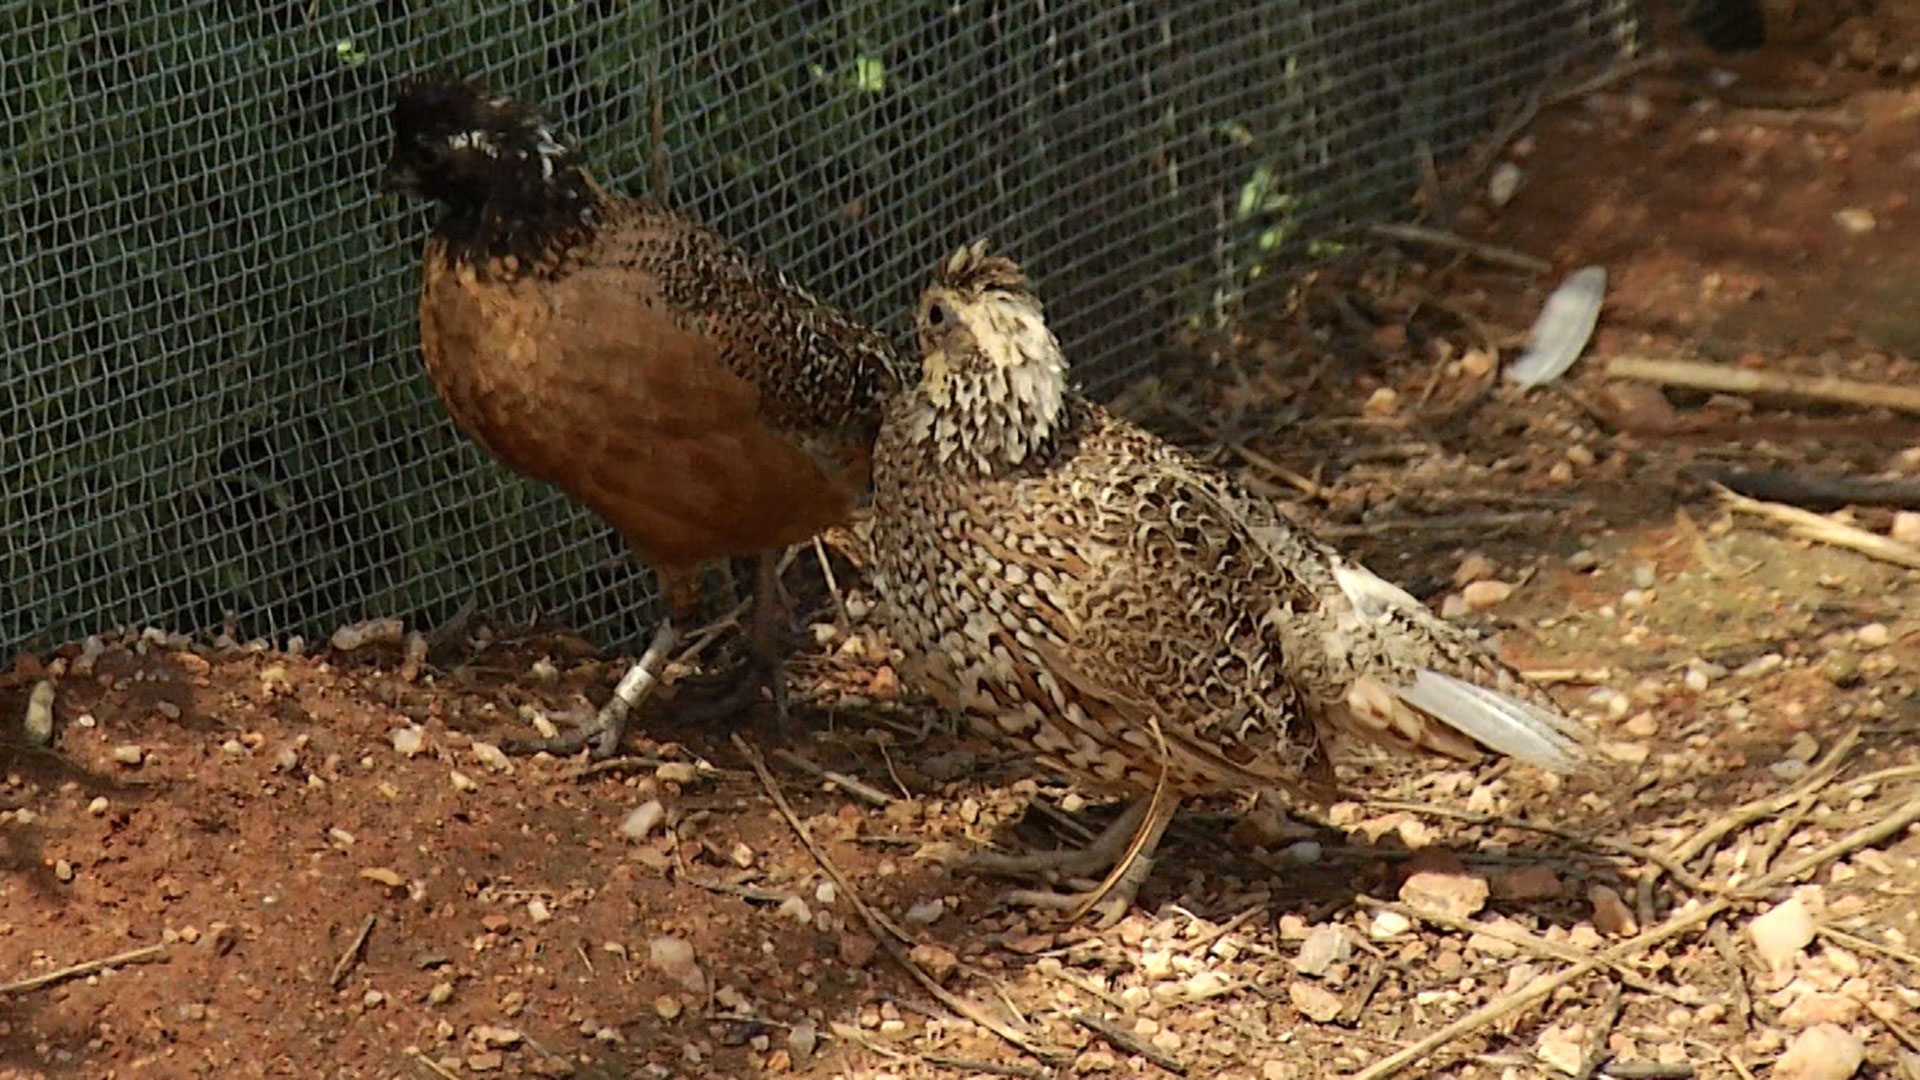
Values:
[(1808, 525), (352, 955), (81, 970), (1600, 1055), (1446, 241), (1127, 1043), (1534, 944), (1676, 925), (891, 937), (840, 780), (1720, 378)]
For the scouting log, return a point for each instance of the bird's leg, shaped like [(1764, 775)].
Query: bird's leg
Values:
[(767, 647), (606, 729), (1125, 847)]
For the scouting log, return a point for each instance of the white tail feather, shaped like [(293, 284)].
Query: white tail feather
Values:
[(1501, 723)]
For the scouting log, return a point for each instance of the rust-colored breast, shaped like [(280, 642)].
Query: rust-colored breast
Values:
[(581, 379)]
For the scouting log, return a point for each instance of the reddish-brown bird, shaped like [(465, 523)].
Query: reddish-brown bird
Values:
[(698, 401)]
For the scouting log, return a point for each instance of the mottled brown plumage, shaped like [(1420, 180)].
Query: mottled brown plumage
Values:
[(698, 401), (1137, 620)]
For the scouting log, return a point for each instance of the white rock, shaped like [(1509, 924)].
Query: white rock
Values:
[(409, 740), (1314, 1001), (1481, 595), (1389, 924), (674, 958), (1562, 1047), (925, 913), (1906, 527), (1826, 1052), (1813, 1009), (1325, 946), (643, 819), (1457, 895), (1781, 932)]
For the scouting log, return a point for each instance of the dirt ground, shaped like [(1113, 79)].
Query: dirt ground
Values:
[(323, 867)]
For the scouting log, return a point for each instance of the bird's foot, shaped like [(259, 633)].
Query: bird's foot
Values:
[(1109, 902), (1076, 868), (603, 733), (729, 694)]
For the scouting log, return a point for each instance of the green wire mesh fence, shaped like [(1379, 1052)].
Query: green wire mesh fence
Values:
[(210, 404)]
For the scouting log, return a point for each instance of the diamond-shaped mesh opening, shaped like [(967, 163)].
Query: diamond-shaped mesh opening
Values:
[(211, 406)]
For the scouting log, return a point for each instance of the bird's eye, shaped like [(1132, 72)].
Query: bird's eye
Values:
[(937, 315)]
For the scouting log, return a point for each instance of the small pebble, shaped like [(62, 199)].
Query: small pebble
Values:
[(1872, 636), (98, 807), (674, 958), (802, 1039), (538, 911), (1642, 725), (491, 757), (63, 870), (460, 781), (1855, 220), (38, 723), (1582, 561), (1388, 924), (440, 994), (1780, 933), (1823, 1052), (925, 913), (1314, 1001), (1906, 527), (1481, 595), (409, 740), (1611, 916), (677, 772), (1533, 882), (129, 755), (643, 819), (1840, 668), (1325, 946), (796, 909)]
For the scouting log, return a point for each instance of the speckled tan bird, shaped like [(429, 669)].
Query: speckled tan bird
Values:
[(700, 402), (1135, 619)]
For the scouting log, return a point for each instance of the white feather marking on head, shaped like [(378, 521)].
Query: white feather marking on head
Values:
[(1372, 596)]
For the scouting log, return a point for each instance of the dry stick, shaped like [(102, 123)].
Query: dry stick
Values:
[(1446, 241), (1540, 988), (1538, 946), (833, 585), (1808, 525), (840, 780), (352, 955), (984, 1068), (1731, 380), (431, 1065), (131, 956), (1742, 999), (1126, 1042), (1668, 863), (1755, 809), (890, 937), (1600, 1055), (1865, 944), (1783, 830)]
